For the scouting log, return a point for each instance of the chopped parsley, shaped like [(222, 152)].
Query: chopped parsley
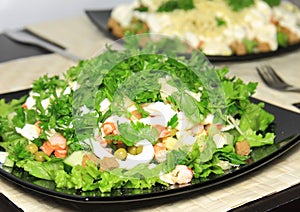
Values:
[(142, 8), (220, 21), (173, 122), (250, 45), (172, 5), (238, 5)]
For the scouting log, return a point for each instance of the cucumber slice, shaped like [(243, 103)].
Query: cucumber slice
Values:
[(9, 163), (75, 158)]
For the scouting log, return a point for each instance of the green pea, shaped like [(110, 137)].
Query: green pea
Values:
[(32, 147), (139, 150), (132, 150), (121, 154), (39, 156), (135, 150)]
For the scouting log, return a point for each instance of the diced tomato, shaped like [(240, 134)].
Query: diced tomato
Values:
[(60, 153), (58, 141), (47, 148)]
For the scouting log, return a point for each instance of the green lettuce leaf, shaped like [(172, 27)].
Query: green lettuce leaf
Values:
[(255, 118), (255, 140), (42, 170)]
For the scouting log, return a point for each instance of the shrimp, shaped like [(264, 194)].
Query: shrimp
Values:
[(109, 128), (163, 132), (182, 174), (160, 152)]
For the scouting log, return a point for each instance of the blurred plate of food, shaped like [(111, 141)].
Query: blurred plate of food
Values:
[(225, 30)]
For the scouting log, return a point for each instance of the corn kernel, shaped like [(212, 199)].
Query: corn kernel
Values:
[(170, 142)]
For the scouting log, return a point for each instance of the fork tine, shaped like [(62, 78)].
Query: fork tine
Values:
[(274, 75), (273, 80), (264, 75)]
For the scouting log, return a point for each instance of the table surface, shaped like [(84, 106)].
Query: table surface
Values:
[(282, 174)]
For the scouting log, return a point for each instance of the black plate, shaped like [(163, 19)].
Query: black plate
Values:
[(101, 17), (285, 126), (11, 50)]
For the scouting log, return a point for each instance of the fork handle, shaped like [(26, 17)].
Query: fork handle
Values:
[(295, 90)]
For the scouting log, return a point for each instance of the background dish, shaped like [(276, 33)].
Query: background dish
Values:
[(11, 50), (287, 137), (101, 17)]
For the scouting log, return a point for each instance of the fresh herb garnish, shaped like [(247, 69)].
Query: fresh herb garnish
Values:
[(220, 22), (273, 3), (134, 132), (250, 45), (18, 152), (142, 111), (142, 8), (173, 122), (282, 39), (238, 5), (172, 5)]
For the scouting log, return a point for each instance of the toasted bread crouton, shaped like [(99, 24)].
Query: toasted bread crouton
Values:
[(242, 148), (115, 28), (293, 37), (238, 48)]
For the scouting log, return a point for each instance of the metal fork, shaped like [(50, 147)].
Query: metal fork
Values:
[(273, 80)]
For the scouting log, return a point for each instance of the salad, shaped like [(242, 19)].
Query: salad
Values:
[(218, 27), (135, 119)]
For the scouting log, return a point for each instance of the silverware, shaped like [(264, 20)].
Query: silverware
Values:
[(29, 38), (273, 80)]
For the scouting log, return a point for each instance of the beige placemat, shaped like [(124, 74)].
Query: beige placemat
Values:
[(19, 74), (81, 37), (77, 35)]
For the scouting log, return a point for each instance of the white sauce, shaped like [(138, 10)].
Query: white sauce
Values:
[(123, 14), (288, 16)]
